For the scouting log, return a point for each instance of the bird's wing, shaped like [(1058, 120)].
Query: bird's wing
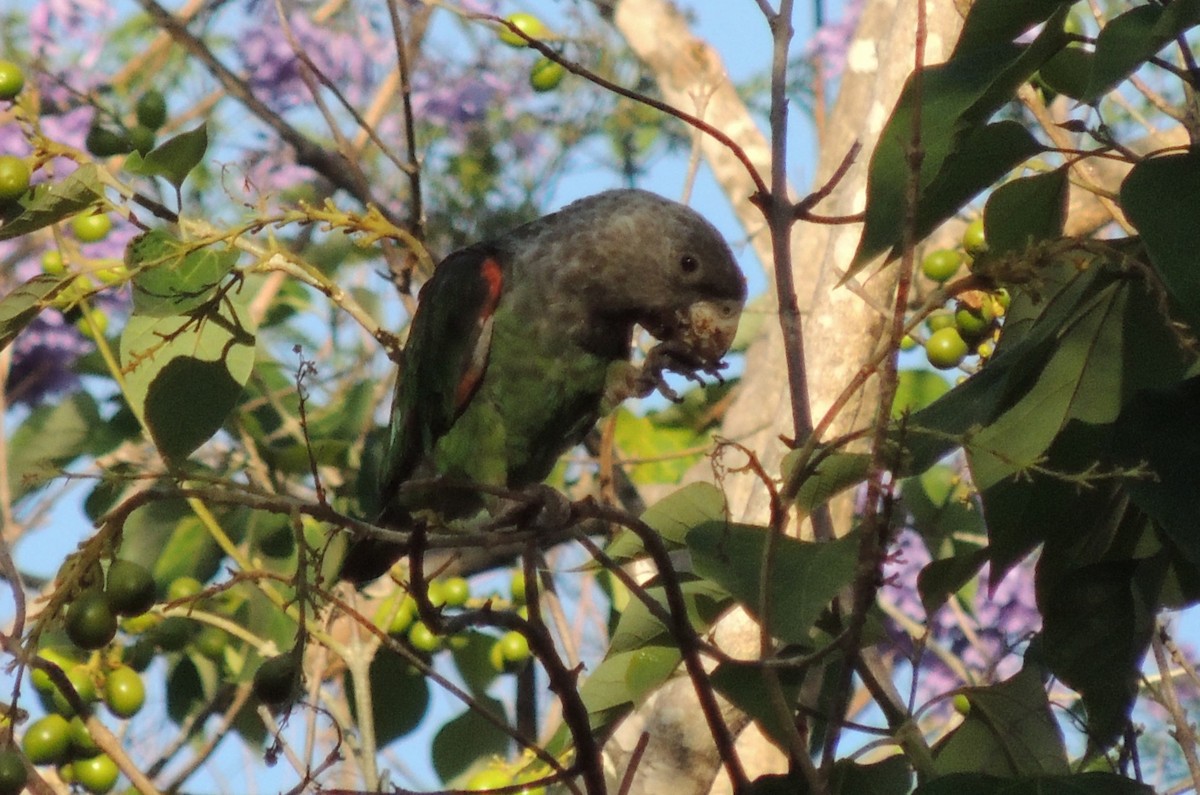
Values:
[(444, 359)]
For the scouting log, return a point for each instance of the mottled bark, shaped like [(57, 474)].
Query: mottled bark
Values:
[(843, 328)]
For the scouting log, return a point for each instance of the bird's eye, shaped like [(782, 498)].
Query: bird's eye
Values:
[(689, 264)]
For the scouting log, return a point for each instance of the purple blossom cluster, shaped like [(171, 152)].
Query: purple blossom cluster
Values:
[(348, 57), (69, 32), (63, 33), (982, 636), (830, 43)]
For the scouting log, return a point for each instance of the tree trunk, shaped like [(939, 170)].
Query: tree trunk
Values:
[(843, 328)]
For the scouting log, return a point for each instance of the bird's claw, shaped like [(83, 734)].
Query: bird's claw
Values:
[(673, 356)]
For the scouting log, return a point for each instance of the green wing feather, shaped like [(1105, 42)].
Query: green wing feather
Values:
[(444, 359)]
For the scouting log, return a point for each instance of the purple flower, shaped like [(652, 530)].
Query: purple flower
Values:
[(829, 44), (45, 351), (56, 25), (43, 355), (457, 102), (274, 68), (982, 634)]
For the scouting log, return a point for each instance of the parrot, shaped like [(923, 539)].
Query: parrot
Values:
[(520, 344)]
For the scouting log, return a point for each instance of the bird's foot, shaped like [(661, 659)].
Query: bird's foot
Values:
[(676, 357), (553, 508)]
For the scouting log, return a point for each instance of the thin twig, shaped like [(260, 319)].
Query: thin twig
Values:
[(1184, 734), (308, 153)]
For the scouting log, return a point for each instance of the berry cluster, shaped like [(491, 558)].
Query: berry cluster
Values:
[(972, 325)]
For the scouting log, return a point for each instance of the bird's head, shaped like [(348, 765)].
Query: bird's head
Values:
[(641, 259)]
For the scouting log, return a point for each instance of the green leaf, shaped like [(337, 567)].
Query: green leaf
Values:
[(1068, 72), (917, 389), (1076, 784), (606, 690), (742, 684), (1032, 508), (942, 506), (189, 682), (832, 474), (672, 518), (24, 303), (659, 454), (1110, 344), (943, 578), (991, 21), (1097, 622), (399, 696), (1132, 38), (977, 159), (172, 277), (174, 159), (49, 439), (1160, 430), (1157, 197), (184, 374), (472, 660), (802, 576), (467, 738), (891, 776), (188, 551), (1009, 731), (960, 156), (649, 667), (638, 627), (51, 202), (1026, 211)]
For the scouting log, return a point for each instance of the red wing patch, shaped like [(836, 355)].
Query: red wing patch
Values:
[(493, 278)]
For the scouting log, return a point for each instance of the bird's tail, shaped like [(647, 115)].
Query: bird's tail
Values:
[(370, 558)]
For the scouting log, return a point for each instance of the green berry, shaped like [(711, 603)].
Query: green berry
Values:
[(973, 240), (97, 775), (124, 692), (211, 642), (945, 348), (151, 109), (517, 585), (52, 263), (83, 685), (421, 638), (941, 265), (971, 322), (277, 679), (529, 24), (90, 621), (46, 741), (12, 772), (12, 80), (103, 142), (491, 778), (81, 739), (91, 227), (129, 587), (182, 588), (546, 75), (141, 139), (939, 320), (514, 646), (14, 177), (173, 633), (455, 591)]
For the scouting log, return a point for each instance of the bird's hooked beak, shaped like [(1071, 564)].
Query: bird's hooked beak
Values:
[(706, 328)]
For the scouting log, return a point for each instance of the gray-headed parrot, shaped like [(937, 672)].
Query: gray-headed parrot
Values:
[(520, 344)]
